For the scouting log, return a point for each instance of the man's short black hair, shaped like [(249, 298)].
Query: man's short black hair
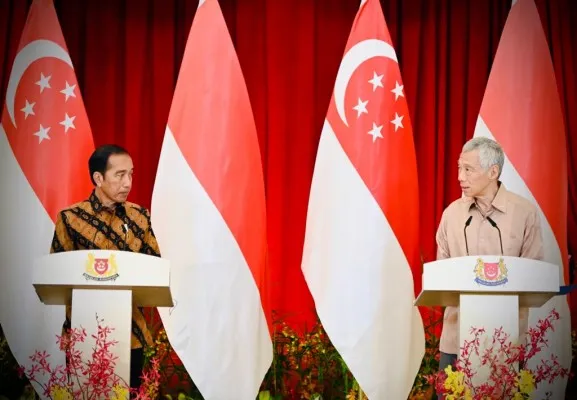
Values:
[(98, 161)]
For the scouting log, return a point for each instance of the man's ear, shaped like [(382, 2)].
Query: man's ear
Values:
[(494, 172), (98, 178)]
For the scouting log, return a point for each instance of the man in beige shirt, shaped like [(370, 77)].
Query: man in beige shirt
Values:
[(485, 200)]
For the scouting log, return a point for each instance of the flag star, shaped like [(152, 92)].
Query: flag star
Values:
[(376, 81), (44, 82), (361, 107), (42, 134), (376, 132), (68, 91), (68, 122), (28, 109), (398, 121), (398, 90)]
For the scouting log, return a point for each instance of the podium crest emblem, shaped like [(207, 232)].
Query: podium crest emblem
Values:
[(101, 269), (491, 273)]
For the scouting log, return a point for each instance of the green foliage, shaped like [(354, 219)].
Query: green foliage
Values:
[(305, 366), (430, 362)]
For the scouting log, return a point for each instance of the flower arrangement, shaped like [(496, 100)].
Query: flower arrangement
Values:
[(87, 380), (510, 376), (305, 366), (176, 383), (423, 387)]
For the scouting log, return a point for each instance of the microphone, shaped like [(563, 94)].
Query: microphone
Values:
[(125, 229), (494, 224), (121, 213), (465, 232)]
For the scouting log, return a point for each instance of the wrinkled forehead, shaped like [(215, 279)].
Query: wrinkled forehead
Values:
[(469, 158)]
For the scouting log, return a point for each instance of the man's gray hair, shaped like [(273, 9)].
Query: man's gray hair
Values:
[(490, 152)]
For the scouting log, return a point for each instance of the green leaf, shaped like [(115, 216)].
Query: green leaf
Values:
[(264, 395)]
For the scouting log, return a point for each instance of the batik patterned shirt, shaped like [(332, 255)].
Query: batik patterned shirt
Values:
[(90, 225)]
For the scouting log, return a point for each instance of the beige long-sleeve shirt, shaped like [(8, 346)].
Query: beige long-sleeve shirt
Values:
[(520, 226)]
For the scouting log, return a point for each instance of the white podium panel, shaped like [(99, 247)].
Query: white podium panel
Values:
[(107, 284), (533, 281), (113, 308), (489, 290)]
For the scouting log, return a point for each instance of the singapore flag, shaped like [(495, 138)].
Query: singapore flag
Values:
[(45, 143), (361, 254)]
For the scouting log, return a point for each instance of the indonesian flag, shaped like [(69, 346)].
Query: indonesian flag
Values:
[(45, 143), (361, 254), (208, 211), (521, 110)]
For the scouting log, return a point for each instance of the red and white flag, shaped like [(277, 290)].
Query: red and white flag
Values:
[(361, 254), (45, 143), (521, 110), (208, 212)]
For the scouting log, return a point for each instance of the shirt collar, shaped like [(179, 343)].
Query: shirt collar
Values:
[(498, 203), (95, 202), (97, 205)]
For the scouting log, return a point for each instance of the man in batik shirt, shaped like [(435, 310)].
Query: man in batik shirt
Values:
[(106, 221)]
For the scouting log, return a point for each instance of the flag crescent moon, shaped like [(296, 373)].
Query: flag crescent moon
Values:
[(31, 52), (357, 55)]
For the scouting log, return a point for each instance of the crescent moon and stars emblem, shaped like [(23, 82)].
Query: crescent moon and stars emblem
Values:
[(40, 94), (353, 59), (369, 104), (369, 115), (44, 117)]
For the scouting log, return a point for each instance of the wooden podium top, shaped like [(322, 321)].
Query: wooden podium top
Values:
[(533, 281), (56, 275), (432, 298)]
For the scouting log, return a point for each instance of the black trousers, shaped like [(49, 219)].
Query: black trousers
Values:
[(136, 365), (444, 361)]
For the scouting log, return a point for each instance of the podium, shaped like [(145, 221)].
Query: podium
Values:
[(489, 290), (107, 284)]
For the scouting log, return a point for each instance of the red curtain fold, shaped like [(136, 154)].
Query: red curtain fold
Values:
[(127, 56)]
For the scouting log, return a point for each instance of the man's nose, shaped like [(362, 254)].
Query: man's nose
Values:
[(461, 176), (127, 182)]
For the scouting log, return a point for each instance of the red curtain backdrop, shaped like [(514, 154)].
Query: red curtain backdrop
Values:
[(127, 56)]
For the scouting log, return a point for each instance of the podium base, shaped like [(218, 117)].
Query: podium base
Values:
[(114, 309), (490, 312)]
